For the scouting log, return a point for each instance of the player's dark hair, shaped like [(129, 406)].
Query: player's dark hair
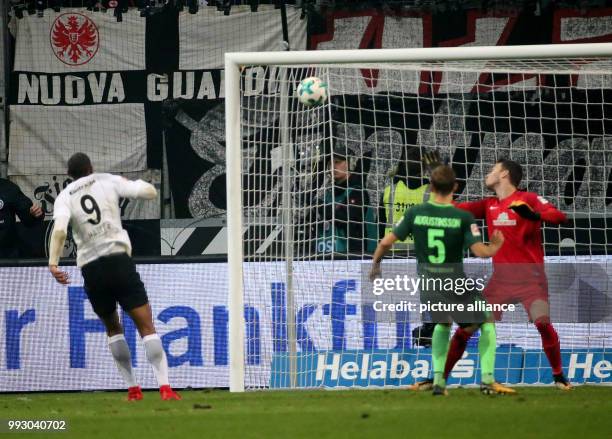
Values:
[(443, 179), (515, 171), (79, 166)]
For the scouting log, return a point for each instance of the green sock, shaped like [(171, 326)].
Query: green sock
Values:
[(487, 345), (439, 349)]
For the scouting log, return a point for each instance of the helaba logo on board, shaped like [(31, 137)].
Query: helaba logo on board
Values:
[(366, 366), (353, 368), (386, 367)]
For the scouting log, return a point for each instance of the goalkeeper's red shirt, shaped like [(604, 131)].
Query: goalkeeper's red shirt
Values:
[(523, 237)]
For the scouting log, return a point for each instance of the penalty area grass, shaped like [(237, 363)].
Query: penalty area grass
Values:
[(465, 413)]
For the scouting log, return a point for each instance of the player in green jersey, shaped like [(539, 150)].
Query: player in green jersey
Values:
[(441, 233)]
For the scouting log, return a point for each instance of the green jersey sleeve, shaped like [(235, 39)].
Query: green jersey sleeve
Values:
[(403, 227), (471, 232)]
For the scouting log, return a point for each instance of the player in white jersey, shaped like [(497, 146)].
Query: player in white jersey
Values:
[(90, 204)]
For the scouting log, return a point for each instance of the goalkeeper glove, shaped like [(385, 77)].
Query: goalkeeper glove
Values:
[(524, 210), (431, 160)]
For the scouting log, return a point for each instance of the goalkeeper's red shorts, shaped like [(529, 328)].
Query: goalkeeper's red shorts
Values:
[(500, 292)]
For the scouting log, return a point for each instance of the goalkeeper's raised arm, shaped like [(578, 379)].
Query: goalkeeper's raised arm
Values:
[(536, 208)]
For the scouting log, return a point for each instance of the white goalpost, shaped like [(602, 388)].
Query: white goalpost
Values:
[(297, 310)]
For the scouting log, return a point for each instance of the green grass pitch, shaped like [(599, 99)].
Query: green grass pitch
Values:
[(542, 412)]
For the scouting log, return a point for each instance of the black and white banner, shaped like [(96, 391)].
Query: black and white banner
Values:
[(119, 91), (84, 82), (70, 95), (196, 119)]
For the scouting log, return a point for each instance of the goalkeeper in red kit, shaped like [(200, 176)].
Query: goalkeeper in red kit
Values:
[(519, 216)]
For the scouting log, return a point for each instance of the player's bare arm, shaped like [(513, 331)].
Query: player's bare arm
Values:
[(483, 250), (58, 237), (383, 247)]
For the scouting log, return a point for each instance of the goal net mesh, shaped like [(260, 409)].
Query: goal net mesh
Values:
[(309, 233)]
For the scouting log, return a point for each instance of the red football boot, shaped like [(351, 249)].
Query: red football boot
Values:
[(168, 394), (134, 393)]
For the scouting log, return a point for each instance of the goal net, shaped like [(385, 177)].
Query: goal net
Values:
[(312, 189)]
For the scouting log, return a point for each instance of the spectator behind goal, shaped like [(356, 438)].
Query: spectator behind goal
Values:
[(348, 221)]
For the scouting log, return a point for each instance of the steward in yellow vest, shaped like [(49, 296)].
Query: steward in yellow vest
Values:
[(397, 198)]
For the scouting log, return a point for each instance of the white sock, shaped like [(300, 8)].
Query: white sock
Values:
[(123, 359), (157, 358)]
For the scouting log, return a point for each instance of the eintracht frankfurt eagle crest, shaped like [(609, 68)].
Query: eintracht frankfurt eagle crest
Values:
[(74, 39)]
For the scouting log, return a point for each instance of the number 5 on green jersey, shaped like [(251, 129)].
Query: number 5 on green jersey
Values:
[(435, 240)]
